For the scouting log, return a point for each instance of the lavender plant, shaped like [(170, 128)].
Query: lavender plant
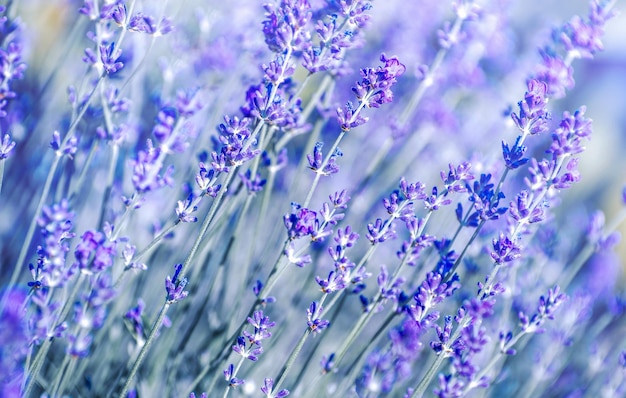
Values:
[(237, 199)]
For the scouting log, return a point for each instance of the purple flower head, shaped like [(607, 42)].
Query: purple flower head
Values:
[(335, 281), (380, 231), (447, 256), (413, 249), (442, 346), (329, 216), (187, 103), (505, 339), (256, 289), (378, 374), (230, 378), (252, 184), (285, 28), (505, 250), (193, 395), (44, 323), (56, 225), (261, 324), (450, 386), (6, 146), (316, 161), (554, 72), (406, 344), (567, 139), (514, 156), (475, 338), (345, 237), (236, 148), (432, 291), (299, 261), (252, 352), (374, 89), (273, 106), (399, 206), (582, 39), (95, 253), (119, 15), (478, 309), (205, 179), (109, 58), (541, 175), (315, 324), (349, 118), (338, 31), (116, 103), (520, 211), (134, 318), (79, 345), (545, 310), (457, 177), (268, 385), (278, 70), (301, 222), (356, 11), (61, 148), (164, 124), (327, 363), (175, 287), (142, 23), (147, 170), (533, 116), (185, 207)]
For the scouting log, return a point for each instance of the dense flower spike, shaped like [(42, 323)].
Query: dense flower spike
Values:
[(285, 28), (372, 91), (533, 116), (175, 287)]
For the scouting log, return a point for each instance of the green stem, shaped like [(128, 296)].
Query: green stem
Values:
[(229, 387), (145, 349), (292, 358), (1, 173), (296, 351), (430, 373)]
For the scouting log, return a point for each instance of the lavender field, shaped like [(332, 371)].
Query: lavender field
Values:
[(312, 198)]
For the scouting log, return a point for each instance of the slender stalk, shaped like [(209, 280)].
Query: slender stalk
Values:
[(296, 351), (292, 358), (145, 349), (229, 387), (430, 373), (1, 173)]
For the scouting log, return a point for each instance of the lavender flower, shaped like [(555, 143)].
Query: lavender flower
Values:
[(175, 287), (372, 91), (268, 385)]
